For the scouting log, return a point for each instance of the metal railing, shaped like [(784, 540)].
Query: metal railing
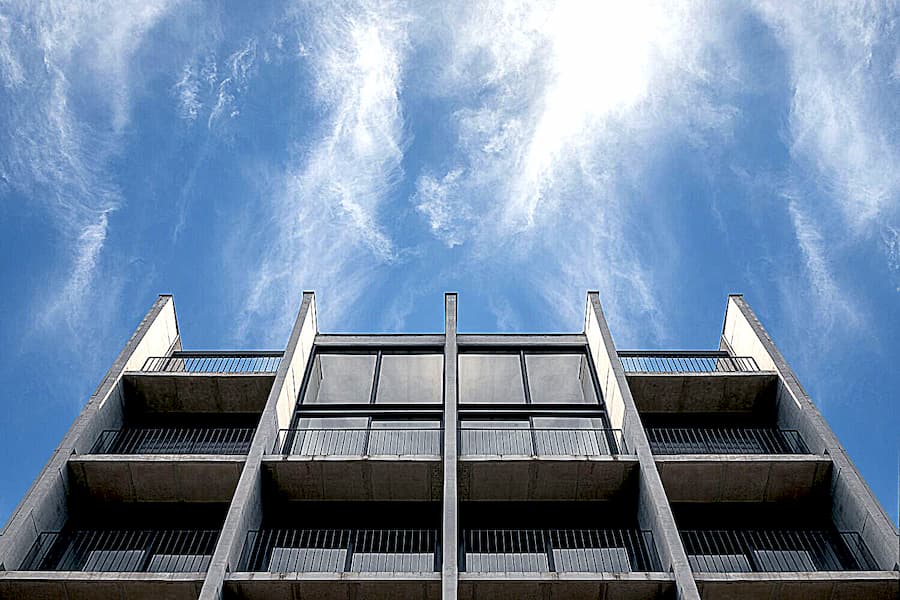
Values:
[(775, 551), (730, 440), (540, 442), (123, 550), (374, 441), (248, 362), (557, 550), (686, 362), (174, 440), (341, 550)]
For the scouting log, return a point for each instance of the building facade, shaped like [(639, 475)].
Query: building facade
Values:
[(449, 465)]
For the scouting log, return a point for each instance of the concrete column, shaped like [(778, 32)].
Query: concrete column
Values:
[(654, 510), (45, 504), (450, 527), (854, 506), (246, 508)]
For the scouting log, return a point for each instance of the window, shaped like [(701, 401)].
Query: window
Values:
[(340, 379), (410, 379), (491, 379), (560, 379)]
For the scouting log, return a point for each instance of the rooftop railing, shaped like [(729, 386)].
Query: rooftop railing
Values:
[(540, 442), (175, 440), (775, 551), (640, 361), (373, 441), (249, 362), (557, 550), (126, 550), (341, 550), (731, 440)]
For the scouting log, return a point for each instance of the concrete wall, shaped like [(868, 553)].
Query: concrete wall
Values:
[(246, 510), (45, 505), (854, 507)]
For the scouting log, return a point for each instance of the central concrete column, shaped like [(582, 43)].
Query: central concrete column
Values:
[(450, 530)]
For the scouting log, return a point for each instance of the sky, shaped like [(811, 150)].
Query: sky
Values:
[(382, 153)]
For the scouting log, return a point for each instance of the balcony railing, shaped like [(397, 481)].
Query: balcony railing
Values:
[(248, 362), (686, 362), (775, 551), (557, 550), (173, 440), (127, 550), (540, 442), (341, 550), (733, 440), (374, 441)]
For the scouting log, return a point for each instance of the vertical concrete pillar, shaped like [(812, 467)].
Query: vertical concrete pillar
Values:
[(45, 505), (450, 526), (654, 509), (854, 506), (246, 509)]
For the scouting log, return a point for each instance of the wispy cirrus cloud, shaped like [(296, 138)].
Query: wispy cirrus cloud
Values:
[(559, 105), (54, 154), (326, 228)]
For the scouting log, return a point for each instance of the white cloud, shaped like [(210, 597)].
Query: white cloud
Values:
[(561, 105), (328, 235), (843, 114), (55, 155), (188, 91)]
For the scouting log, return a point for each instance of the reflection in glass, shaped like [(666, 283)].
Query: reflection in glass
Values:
[(490, 379), (410, 379), (341, 379), (560, 379)]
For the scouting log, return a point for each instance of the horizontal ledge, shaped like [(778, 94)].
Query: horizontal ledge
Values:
[(701, 374), (575, 341), (325, 340), (514, 576), (51, 576), (720, 458), (145, 458), (846, 576), (281, 458), (336, 577), (200, 373), (548, 459)]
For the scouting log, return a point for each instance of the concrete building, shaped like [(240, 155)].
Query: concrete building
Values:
[(449, 466)]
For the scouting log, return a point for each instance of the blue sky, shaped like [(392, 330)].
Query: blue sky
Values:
[(381, 153)]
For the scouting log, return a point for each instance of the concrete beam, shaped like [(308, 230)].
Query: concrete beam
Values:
[(515, 340), (245, 511), (653, 510), (450, 524)]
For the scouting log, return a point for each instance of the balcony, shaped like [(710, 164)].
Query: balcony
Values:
[(162, 464), (198, 382), (175, 440), (722, 440), (379, 563), (371, 441), (785, 563), (775, 551), (578, 562), (383, 461), (113, 563), (534, 463), (696, 381), (737, 464)]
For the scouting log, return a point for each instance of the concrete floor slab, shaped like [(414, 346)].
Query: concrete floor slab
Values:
[(824, 585), (72, 585), (701, 392), (198, 393), (333, 586), (553, 586)]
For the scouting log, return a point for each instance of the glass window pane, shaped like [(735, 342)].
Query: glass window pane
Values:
[(490, 379), (340, 379), (410, 379), (560, 379)]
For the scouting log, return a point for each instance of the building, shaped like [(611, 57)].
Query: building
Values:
[(561, 467)]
